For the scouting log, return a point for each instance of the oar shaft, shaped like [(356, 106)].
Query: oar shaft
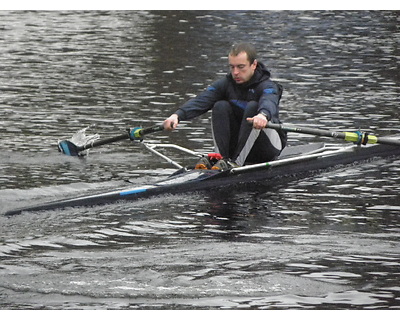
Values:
[(69, 148), (317, 132), (136, 133), (104, 141), (153, 129), (356, 137), (386, 141)]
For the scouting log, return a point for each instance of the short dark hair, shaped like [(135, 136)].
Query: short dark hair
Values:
[(244, 47)]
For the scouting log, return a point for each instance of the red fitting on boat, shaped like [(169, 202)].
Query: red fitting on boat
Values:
[(214, 156)]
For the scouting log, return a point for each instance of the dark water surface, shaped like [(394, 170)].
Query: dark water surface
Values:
[(327, 241)]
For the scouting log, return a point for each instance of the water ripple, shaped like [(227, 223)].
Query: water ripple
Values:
[(325, 241)]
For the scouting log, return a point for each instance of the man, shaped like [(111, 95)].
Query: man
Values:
[(242, 103)]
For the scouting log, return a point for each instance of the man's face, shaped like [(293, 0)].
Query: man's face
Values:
[(240, 67)]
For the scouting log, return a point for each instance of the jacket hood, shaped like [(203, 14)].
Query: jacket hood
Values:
[(262, 70)]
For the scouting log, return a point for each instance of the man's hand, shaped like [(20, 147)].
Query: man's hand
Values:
[(259, 121), (171, 123)]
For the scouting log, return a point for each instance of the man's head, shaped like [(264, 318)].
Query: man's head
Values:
[(242, 62)]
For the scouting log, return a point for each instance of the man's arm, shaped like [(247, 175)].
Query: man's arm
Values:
[(196, 106), (268, 106)]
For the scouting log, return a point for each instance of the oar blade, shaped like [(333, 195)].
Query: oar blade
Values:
[(68, 148)]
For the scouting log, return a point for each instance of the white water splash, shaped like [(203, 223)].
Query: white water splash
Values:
[(80, 138)]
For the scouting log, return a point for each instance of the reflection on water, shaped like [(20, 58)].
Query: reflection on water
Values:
[(320, 242)]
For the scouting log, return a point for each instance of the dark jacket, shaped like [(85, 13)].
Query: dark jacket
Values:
[(259, 88)]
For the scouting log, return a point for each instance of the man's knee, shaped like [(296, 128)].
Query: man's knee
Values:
[(221, 106), (251, 109)]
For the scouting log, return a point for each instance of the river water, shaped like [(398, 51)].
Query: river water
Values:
[(325, 241)]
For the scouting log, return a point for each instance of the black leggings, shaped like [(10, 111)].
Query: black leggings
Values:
[(234, 136)]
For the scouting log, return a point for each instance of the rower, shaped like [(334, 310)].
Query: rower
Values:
[(246, 94)]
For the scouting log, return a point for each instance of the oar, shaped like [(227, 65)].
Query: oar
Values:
[(357, 137), (71, 149)]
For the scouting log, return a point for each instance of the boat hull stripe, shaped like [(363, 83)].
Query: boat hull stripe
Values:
[(128, 192)]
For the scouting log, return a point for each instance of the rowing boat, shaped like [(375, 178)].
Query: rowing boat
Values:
[(294, 161)]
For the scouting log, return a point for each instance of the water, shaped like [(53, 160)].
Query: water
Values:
[(326, 241)]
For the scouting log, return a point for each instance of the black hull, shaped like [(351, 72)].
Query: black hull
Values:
[(194, 180)]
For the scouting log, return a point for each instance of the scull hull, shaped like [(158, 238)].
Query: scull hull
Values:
[(290, 165)]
